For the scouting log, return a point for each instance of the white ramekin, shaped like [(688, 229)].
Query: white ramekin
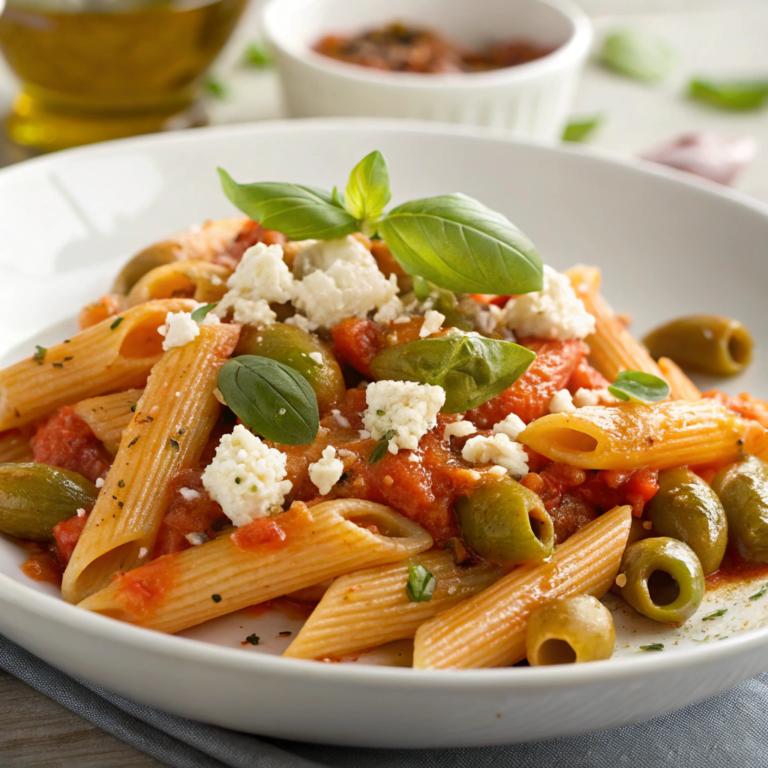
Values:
[(531, 100)]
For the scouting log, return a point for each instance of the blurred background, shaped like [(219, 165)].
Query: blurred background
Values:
[(684, 82)]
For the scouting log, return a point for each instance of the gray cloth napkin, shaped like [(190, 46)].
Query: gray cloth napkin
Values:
[(727, 731)]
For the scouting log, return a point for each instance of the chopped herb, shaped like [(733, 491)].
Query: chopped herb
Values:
[(216, 598), (421, 584), (121, 483), (652, 647), (581, 128), (67, 341), (252, 639), (134, 441), (759, 594), (257, 55), (133, 408), (716, 614), (380, 412), (116, 323), (638, 54), (238, 481), (67, 359), (58, 365), (174, 444), (202, 312), (730, 95), (16, 413), (380, 451), (216, 87), (39, 355), (285, 634), (120, 504)]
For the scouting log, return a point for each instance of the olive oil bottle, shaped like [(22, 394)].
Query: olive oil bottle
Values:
[(92, 70)]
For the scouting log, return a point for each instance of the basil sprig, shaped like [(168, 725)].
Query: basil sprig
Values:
[(729, 94), (421, 584), (639, 387), (453, 241), (271, 399), (581, 128), (199, 314), (638, 54), (470, 368)]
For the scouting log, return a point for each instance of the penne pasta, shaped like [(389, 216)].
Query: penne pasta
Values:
[(261, 561), (169, 430), (109, 415), (612, 347), (14, 446), (199, 280), (115, 354), (634, 435), (489, 630), (681, 387), (369, 608)]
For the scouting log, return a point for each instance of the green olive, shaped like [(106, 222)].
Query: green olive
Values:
[(298, 350), (570, 630), (662, 578), (743, 491), (34, 497), (705, 343), (687, 509), (506, 523)]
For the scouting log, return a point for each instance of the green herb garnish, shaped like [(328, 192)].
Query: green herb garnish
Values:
[(652, 647), (174, 444), (581, 128), (421, 584), (39, 355), (216, 87), (115, 323), (729, 94), (715, 614), (271, 399), (252, 639), (759, 594), (216, 598), (133, 408), (121, 483), (638, 54), (421, 288), (201, 313), (639, 387), (453, 241), (257, 55), (380, 451), (470, 368), (57, 365)]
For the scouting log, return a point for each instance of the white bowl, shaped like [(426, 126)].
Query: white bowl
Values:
[(531, 100), (667, 247)]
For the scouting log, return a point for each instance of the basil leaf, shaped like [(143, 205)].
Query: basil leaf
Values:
[(368, 187), (257, 55), (337, 198), (271, 399), (580, 128), (202, 312), (380, 451), (421, 584), (639, 387), (470, 368), (652, 647), (457, 243), (638, 54), (299, 212), (733, 94), (216, 87)]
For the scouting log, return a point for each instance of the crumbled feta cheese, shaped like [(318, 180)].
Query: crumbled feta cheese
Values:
[(488, 318), (402, 319), (196, 538), (344, 453), (246, 477), (211, 319), (216, 280), (189, 494), (179, 329), (389, 311), (433, 322), (414, 457), (621, 580), (561, 402), (261, 278), (459, 429), (647, 524), (552, 313), (342, 421), (316, 357), (341, 279), (303, 323), (143, 552), (99, 482), (497, 471), (406, 408), (364, 434), (81, 512), (511, 426), (326, 472), (585, 397), (497, 449)]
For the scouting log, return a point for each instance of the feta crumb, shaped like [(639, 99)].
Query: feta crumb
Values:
[(219, 396), (196, 538), (488, 318), (555, 312), (561, 402), (364, 434), (316, 357), (344, 453), (586, 397), (302, 322), (390, 310), (99, 482), (402, 319), (497, 471), (433, 322), (459, 429), (511, 426), (189, 494), (211, 319), (621, 580), (647, 524), (81, 512), (143, 552), (414, 457), (179, 329), (246, 477), (216, 280), (342, 421), (326, 472), (497, 449), (406, 408)]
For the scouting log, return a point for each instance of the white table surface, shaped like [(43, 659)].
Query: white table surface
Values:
[(713, 37)]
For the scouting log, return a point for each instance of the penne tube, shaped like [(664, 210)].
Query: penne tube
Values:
[(168, 432), (109, 415), (14, 446), (199, 280), (682, 388), (630, 436), (369, 608), (612, 347), (489, 630), (266, 559), (115, 354)]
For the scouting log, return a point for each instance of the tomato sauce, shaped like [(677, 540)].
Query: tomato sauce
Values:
[(66, 534), (270, 534), (251, 234), (142, 592), (43, 566), (66, 441), (586, 377), (736, 568)]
